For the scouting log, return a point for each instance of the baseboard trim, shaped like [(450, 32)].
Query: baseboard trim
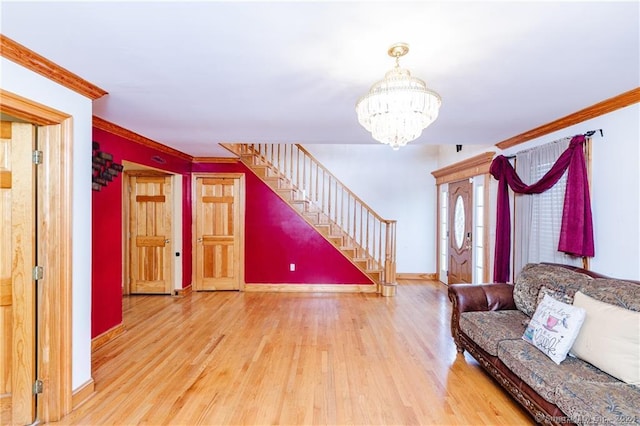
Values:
[(428, 276), (107, 336), (82, 394), (311, 288), (182, 292)]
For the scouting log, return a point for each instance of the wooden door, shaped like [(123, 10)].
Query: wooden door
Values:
[(17, 259), (460, 222), (150, 230), (217, 218)]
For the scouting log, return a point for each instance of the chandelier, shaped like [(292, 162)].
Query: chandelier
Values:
[(397, 108)]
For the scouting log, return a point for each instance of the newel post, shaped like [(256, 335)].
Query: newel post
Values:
[(389, 284)]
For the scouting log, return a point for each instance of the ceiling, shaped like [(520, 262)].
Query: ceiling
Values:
[(192, 74)]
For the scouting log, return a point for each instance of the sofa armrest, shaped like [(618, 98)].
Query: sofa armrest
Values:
[(481, 297), (477, 297)]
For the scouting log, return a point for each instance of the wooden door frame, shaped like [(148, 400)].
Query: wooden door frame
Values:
[(241, 206), (55, 136), (471, 167), (126, 211)]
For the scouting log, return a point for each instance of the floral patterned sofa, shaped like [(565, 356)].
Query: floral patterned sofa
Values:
[(488, 320)]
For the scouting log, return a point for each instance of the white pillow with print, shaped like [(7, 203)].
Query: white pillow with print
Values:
[(554, 327)]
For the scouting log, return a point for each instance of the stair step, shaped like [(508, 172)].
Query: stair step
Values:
[(375, 275), (349, 251), (313, 217), (248, 159), (276, 182), (337, 240), (262, 170), (287, 193), (325, 229), (361, 262), (301, 205)]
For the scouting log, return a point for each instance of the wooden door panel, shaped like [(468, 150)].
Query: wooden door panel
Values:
[(17, 259), (6, 311), (460, 225), (150, 227), (217, 234)]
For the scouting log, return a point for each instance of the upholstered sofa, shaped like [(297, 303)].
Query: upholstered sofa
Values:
[(488, 320)]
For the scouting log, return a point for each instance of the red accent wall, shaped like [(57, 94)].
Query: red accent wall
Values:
[(275, 235), (106, 219)]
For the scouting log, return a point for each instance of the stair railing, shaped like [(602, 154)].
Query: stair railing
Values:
[(369, 231)]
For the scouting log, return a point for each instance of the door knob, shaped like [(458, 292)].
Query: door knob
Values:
[(468, 244), (166, 241), (199, 240)]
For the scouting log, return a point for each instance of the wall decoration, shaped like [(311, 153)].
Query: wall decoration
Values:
[(104, 169)]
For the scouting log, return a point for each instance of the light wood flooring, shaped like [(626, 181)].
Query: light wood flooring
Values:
[(229, 358)]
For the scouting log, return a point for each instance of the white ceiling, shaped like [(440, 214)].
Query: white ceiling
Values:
[(192, 74)]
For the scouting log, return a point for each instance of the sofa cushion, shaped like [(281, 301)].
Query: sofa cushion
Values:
[(615, 292), (541, 373), (558, 295), (609, 338), (556, 278), (599, 403), (487, 328)]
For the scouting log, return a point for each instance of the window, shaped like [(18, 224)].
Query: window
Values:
[(444, 241), (538, 217), (478, 230)]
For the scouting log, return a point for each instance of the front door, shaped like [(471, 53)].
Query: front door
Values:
[(217, 234), (17, 259), (150, 207), (460, 220)]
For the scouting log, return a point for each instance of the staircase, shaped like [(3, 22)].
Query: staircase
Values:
[(362, 236)]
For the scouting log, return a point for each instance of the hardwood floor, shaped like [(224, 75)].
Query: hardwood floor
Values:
[(291, 358)]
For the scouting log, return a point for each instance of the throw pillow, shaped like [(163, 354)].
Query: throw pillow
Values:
[(554, 327), (609, 339)]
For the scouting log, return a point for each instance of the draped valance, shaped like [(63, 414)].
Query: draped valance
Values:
[(576, 232)]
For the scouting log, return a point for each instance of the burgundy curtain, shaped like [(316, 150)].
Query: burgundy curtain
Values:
[(576, 232)]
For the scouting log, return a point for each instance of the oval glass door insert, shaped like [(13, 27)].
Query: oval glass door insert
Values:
[(458, 222)]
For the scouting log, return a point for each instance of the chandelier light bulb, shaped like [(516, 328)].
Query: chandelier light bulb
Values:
[(397, 108)]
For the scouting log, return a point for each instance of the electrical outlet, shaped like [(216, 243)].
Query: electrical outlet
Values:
[(292, 267)]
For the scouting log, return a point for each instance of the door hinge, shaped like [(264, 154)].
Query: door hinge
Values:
[(38, 272), (38, 387), (37, 157)]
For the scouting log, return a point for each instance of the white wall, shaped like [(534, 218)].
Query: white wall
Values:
[(615, 189), (30, 85), (397, 185), (447, 154)]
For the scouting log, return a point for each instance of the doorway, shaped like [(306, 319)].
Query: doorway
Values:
[(218, 213), (35, 262), (460, 231), (149, 232)]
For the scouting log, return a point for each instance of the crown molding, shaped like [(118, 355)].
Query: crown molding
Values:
[(609, 105), (474, 166), (29, 59), (107, 126)]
